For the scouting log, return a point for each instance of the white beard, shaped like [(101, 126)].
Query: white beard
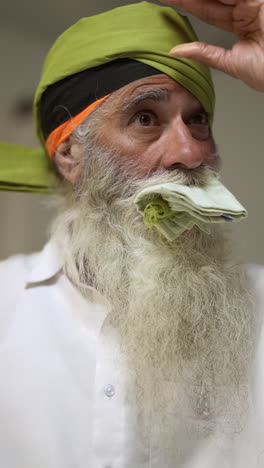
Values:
[(182, 310)]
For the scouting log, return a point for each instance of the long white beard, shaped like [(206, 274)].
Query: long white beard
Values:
[(182, 310)]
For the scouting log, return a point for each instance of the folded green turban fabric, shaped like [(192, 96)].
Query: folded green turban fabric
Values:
[(143, 32)]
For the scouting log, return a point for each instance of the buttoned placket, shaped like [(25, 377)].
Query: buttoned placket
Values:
[(108, 413), (109, 406), (116, 440)]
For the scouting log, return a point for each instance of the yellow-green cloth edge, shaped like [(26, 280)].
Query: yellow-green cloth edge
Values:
[(25, 169)]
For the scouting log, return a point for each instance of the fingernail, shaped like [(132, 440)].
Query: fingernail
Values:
[(179, 49)]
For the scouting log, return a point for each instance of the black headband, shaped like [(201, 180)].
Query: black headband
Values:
[(70, 96)]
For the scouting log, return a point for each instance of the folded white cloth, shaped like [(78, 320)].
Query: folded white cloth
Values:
[(175, 208)]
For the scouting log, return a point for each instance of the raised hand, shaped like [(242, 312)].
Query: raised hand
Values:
[(244, 18)]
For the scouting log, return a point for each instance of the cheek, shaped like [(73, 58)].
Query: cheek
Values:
[(144, 159), (139, 152), (211, 157)]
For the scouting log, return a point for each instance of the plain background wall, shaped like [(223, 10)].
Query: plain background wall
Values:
[(238, 131)]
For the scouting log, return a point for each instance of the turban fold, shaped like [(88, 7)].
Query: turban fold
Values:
[(141, 32)]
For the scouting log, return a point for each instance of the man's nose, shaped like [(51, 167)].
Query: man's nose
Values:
[(181, 149)]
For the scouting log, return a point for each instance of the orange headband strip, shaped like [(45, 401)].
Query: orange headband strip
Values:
[(61, 133)]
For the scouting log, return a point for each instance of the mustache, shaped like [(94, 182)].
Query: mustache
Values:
[(131, 172), (200, 176), (113, 176)]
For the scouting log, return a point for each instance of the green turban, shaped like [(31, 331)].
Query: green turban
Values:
[(143, 32)]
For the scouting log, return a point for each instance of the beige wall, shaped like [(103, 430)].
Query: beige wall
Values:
[(239, 134), (238, 131)]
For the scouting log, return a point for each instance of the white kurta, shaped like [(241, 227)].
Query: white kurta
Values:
[(62, 392)]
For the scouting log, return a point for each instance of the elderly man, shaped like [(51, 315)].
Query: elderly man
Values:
[(121, 348)]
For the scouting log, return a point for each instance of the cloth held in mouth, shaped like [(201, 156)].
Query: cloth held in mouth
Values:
[(175, 208)]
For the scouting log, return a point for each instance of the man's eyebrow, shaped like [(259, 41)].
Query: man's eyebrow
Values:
[(156, 94)]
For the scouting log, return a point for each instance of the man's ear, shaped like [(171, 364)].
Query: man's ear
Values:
[(68, 159)]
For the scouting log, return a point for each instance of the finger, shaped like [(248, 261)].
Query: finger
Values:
[(216, 57), (228, 2), (215, 12)]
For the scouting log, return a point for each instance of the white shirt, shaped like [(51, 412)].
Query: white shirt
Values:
[(62, 392)]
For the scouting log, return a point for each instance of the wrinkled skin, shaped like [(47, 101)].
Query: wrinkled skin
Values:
[(245, 19)]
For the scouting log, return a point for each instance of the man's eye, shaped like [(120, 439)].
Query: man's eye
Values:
[(202, 118), (146, 119)]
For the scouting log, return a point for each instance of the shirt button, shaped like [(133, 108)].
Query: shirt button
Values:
[(109, 391)]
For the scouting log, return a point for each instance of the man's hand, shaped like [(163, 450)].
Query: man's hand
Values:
[(245, 18)]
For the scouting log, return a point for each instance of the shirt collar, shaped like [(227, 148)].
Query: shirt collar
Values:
[(46, 264)]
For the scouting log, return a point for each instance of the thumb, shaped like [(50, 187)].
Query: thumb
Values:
[(216, 57)]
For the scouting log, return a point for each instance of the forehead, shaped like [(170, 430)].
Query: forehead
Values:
[(138, 87)]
